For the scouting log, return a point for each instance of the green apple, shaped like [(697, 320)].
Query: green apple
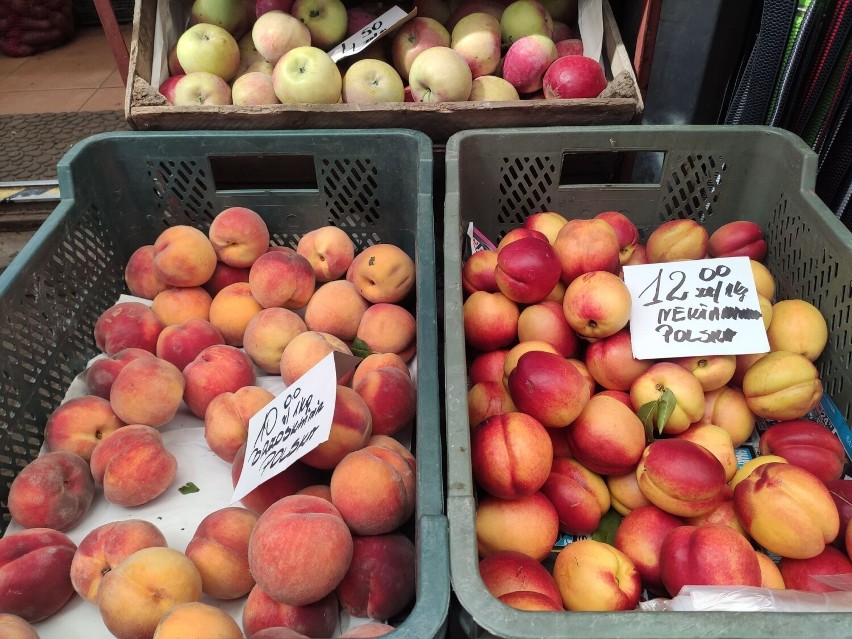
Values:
[(490, 88), (228, 14), (307, 74), (326, 20), (199, 88), (476, 37), (372, 81), (439, 74), (206, 47), (523, 18)]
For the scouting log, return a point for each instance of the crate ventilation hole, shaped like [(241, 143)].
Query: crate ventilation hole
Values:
[(692, 188), (525, 185)]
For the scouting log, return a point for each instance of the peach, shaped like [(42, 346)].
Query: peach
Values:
[(219, 550), (806, 444), (282, 279), (224, 275), (375, 488), (478, 273), (526, 600), (178, 304), (105, 547), (133, 466), (717, 441), (727, 408), (184, 256), (681, 477), (725, 513), (557, 293), (280, 632), (226, 419), (388, 328), (611, 363), (748, 468), (147, 391), (351, 427), (787, 510), (78, 424), (381, 578), (770, 576), (624, 492), (625, 229), (640, 536), (294, 478), (580, 365), (140, 276), (196, 620), (305, 350), (15, 627), (329, 250), (486, 399), (391, 397), (763, 280), (607, 437), (782, 385), (713, 371), (490, 320), (640, 256), (528, 525), (620, 396), (594, 576), (712, 555), (101, 373), (797, 326), (511, 455), (179, 344), (336, 308), (579, 495), (239, 236), (262, 612), (370, 629), (584, 246), (231, 311), (519, 349), (488, 367), (546, 321), (547, 223), (54, 490), (317, 490), (127, 325), (597, 304), (744, 362), (687, 390), (527, 270), (765, 310), (375, 361), (267, 335), (549, 388), (814, 574), (137, 593), (217, 369), (509, 571), (382, 273), (35, 566), (284, 557), (738, 238), (677, 240)]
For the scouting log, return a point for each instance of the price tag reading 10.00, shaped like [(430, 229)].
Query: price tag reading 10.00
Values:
[(372, 32)]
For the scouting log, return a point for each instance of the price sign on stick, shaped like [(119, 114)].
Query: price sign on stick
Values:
[(391, 18), (698, 307)]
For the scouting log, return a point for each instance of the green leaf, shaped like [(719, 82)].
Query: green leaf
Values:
[(666, 405), (188, 488), (607, 527), (360, 349), (648, 414)]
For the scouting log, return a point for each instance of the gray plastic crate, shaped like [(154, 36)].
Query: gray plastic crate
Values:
[(120, 190), (497, 178)]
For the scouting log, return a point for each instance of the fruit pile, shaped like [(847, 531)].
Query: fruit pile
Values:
[(226, 311), (571, 435), (279, 51)]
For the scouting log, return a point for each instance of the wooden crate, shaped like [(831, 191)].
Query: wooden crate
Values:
[(146, 109)]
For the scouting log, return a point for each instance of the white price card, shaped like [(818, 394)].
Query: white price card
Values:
[(693, 308), (391, 18)]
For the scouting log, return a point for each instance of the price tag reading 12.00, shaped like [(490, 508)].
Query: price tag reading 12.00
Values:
[(376, 29)]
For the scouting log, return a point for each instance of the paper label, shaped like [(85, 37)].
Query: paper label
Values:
[(372, 32), (697, 307), (478, 240), (590, 22)]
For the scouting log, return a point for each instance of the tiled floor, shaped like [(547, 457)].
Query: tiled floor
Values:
[(81, 75)]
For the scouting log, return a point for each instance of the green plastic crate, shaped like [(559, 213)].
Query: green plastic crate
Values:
[(497, 178), (120, 190)]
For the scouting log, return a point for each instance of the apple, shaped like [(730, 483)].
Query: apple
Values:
[(356, 19), (574, 76), (489, 88), (476, 38), (568, 46), (228, 14), (466, 7), (527, 60), (174, 65), (206, 47), (523, 18), (326, 20), (439, 74), (307, 74), (200, 87), (371, 81), (254, 87), (412, 39), (275, 33), (262, 7), (167, 88), (436, 9)]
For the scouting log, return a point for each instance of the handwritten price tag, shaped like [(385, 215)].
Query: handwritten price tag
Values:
[(372, 32), (699, 307)]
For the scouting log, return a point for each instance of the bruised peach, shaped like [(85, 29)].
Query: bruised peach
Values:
[(127, 325), (262, 614)]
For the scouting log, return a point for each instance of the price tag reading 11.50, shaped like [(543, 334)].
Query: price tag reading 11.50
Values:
[(376, 29)]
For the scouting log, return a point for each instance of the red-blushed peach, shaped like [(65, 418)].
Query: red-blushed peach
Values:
[(549, 388), (510, 571), (147, 391), (488, 367), (288, 482), (478, 273), (580, 496), (727, 408), (708, 555), (744, 362), (181, 343), (381, 578), (486, 399), (184, 256), (382, 273), (640, 256), (133, 466), (317, 490), (329, 250), (725, 514), (799, 327), (284, 557), (713, 371), (620, 396), (807, 444), (556, 294), (196, 620), (559, 442), (261, 612), (375, 488), (529, 525), (546, 222), (267, 335), (224, 275), (219, 550), (546, 321), (136, 594), (519, 349), (127, 325), (15, 627), (527, 270), (105, 547), (640, 536), (807, 574), (580, 365), (625, 229), (689, 394), (239, 236), (490, 320), (336, 308), (611, 363), (770, 575), (606, 437), (624, 492), (217, 369), (375, 361), (527, 600), (594, 576), (519, 233), (281, 249), (178, 304), (306, 350), (389, 328), (597, 304), (717, 441), (35, 566), (738, 238), (746, 469), (227, 418), (351, 427), (391, 397), (584, 246), (787, 510), (140, 276), (367, 630), (278, 632), (680, 477), (511, 455), (54, 490), (782, 385), (231, 311), (677, 240), (78, 424), (101, 374)]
